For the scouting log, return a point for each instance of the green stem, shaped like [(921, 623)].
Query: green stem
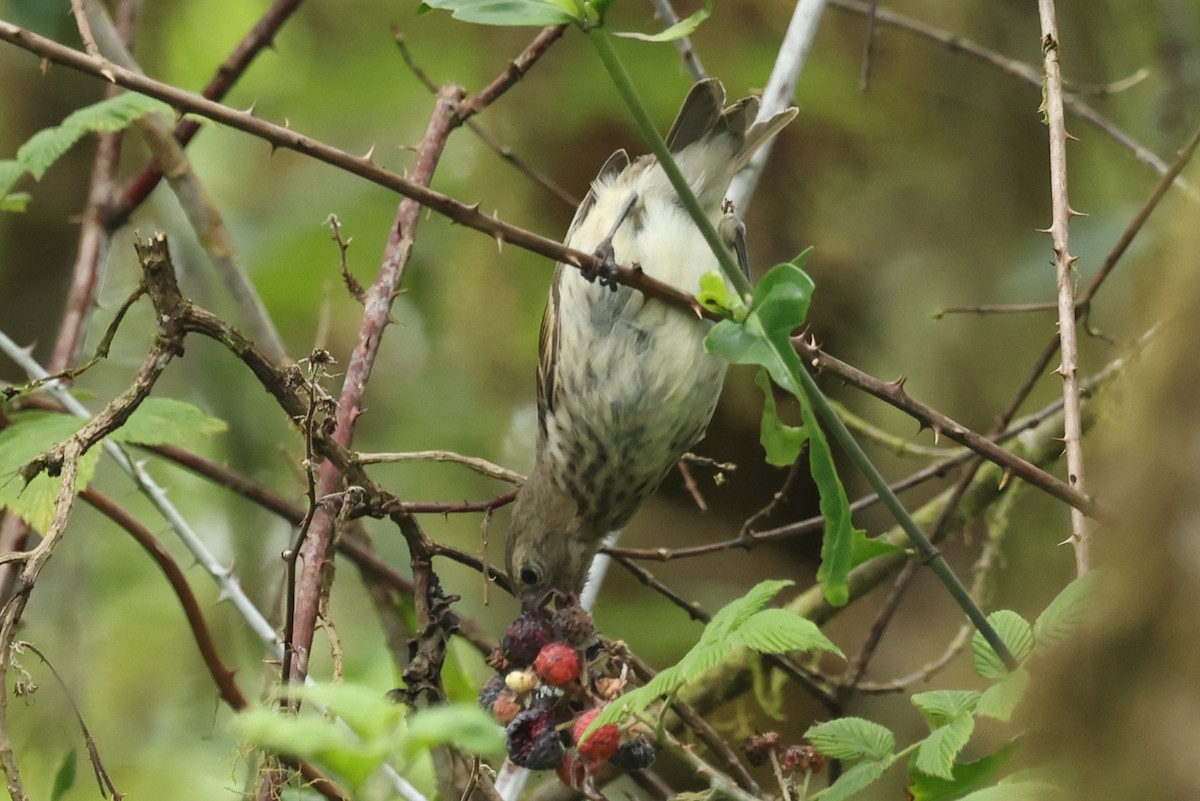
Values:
[(624, 84), (929, 554)]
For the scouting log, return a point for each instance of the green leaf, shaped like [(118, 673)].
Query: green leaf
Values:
[(852, 738), (779, 307), (782, 442), (1065, 612), (29, 435), (45, 147), (507, 12), (1019, 787), (857, 779), (777, 631), (17, 202), (863, 548), (939, 750), (939, 707), (64, 777), (324, 742), (10, 173), (368, 714), (116, 113), (159, 421), (837, 545), (715, 296), (738, 611), (1001, 699), (1014, 631), (966, 776), (463, 725), (685, 27)]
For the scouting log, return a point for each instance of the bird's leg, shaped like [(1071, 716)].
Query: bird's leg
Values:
[(607, 274), (733, 232)]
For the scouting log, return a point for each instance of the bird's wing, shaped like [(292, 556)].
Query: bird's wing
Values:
[(548, 338), (699, 113)]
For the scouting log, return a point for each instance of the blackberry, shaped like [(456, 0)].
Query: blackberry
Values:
[(633, 755), (525, 638), (490, 691), (533, 741), (573, 625)]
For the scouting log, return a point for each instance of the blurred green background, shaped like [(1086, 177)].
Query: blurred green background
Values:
[(924, 192)]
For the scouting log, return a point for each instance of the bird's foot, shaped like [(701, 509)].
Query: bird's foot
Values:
[(606, 273)]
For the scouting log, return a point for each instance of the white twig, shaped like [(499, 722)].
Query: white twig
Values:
[(482, 466), (781, 88), (231, 588), (1064, 268)]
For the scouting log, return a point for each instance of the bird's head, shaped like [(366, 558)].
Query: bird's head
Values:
[(547, 548)]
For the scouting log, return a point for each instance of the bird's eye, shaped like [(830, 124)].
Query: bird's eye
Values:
[(530, 576)]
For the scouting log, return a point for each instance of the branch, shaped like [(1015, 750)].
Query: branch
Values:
[(281, 136), (1064, 269)]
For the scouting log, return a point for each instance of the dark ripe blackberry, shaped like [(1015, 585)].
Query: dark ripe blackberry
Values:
[(758, 747), (489, 691), (533, 741), (525, 638), (633, 755), (573, 625)]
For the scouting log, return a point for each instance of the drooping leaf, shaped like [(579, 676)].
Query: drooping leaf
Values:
[(781, 441), (1065, 612), (857, 779), (852, 738), (1001, 699), (837, 545), (938, 751), (116, 113), (1022, 786), (10, 173), (739, 610), (778, 631), (507, 12), (966, 776), (1014, 631), (685, 27), (159, 421), (464, 725)]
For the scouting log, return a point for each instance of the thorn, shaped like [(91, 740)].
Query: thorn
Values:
[(498, 236), (937, 434), (1071, 136), (370, 153), (1004, 477), (898, 384), (1044, 230), (287, 123), (1074, 213), (250, 110), (1067, 541)]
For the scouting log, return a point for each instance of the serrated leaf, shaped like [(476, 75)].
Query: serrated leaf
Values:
[(463, 725), (324, 742), (778, 631), (159, 421), (1001, 699), (29, 435), (1014, 631), (506, 12), (852, 738), (115, 113), (698, 661), (45, 147), (863, 548), (966, 776), (738, 611), (367, 713), (939, 707), (10, 173), (837, 544), (685, 27), (781, 441), (938, 751), (857, 779), (64, 777), (1065, 612)]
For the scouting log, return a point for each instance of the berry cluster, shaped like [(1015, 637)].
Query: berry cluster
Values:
[(554, 675), (760, 748)]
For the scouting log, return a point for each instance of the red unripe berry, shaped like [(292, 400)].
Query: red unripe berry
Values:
[(557, 664), (600, 744), (506, 707)]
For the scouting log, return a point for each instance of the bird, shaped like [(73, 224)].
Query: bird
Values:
[(624, 385)]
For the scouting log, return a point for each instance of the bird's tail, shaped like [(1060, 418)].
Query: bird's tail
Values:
[(712, 143)]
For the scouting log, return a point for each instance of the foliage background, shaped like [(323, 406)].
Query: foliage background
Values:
[(924, 192)]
